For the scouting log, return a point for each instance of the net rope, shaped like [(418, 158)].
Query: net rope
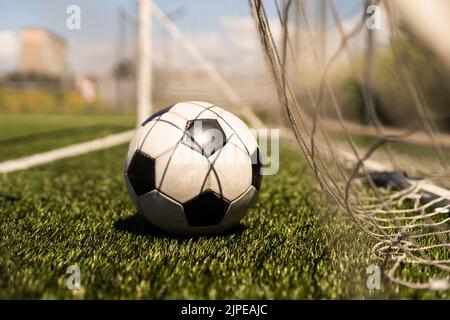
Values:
[(409, 226)]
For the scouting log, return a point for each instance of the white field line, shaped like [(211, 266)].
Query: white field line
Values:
[(124, 137), (375, 166), (66, 152), (423, 185), (434, 190), (370, 165)]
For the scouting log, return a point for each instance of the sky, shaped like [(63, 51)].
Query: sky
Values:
[(222, 30)]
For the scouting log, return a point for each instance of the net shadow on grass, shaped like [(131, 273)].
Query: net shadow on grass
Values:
[(139, 226)]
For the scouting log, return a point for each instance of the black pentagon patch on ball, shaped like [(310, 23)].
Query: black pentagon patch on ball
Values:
[(204, 136), (256, 169), (141, 173), (207, 209), (155, 115)]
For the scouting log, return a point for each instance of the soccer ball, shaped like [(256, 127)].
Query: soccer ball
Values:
[(193, 168)]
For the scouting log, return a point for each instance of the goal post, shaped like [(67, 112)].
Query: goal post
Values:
[(144, 61)]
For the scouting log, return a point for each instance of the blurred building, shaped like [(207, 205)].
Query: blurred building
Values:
[(43, 52)]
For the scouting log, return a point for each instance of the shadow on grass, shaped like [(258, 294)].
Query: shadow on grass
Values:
[(138, 225), (9, 198)]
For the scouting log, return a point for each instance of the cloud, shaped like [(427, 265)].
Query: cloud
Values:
[(382, 34), (235, 49), (9, 51)]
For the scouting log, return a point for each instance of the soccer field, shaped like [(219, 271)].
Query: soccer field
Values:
[(76, 211), (25, 134)]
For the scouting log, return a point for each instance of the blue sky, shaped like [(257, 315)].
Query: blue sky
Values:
[(99, 19), (99, 15)]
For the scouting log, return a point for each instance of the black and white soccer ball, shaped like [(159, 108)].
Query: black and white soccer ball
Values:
[(193, 168)]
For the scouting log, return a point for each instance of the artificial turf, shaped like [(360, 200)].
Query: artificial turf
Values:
[(25, 134), (76, 211)]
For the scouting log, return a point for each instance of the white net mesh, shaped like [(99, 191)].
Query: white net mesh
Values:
[(389, 170)]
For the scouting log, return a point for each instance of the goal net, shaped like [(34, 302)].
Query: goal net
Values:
[(366, 91)]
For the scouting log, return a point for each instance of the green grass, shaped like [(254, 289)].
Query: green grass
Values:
[(291, 245), (25, 134), (399, 147)]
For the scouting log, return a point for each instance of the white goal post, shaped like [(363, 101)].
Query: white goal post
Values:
[(144, 61)]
